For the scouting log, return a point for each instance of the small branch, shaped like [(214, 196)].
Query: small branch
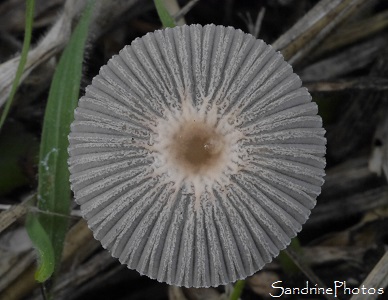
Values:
[(377, 278), (173, 8), (254, 29), (348, 60), (179, 15), (12, 213), (316, 25), (299, 261), (354, 32), (23, 208), (346, 207), (363, 83)]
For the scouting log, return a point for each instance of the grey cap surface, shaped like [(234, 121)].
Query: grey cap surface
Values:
[(196, 155)]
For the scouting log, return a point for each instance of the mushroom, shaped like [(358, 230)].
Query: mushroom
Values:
[(196, 155)]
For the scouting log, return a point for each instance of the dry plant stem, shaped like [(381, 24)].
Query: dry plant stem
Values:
[(99, 271), (92, 282), (11, 214), (254, 29), (349, 60), (8, 207), (377, 278), (364, 112), (354, 32), (173, 8), (84, 278), (70, 281), (79, 244), (300, 262), (185, 9), (350, 206), (346, 178), (12, 16), (314, 27), (364, 83), (74, 274), (22, 286), (23, 262), (51, 44), (258, 23), (326, 255), (175, 293), (342, 190), (106, 12)]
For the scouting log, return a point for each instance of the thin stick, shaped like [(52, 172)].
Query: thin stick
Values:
[(259, 21), (307, 271), (377, 279), (364, 83), (185, 9)]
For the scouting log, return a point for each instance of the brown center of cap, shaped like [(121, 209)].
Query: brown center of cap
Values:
[(196, 146)]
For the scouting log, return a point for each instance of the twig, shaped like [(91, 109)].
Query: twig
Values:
[(363, 83), (254, 29), (23, 208), (377, 279), (314, 27), (307, 271), (348, 60), (354, 32), (173, 8), (345, 195), (107, 11), (359, 118), (185, 9), (12, 213), (346, 207)]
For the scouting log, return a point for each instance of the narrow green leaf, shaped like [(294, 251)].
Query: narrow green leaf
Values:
[(30, 4), (53, 187), (45, 248), (286, 262), (164, 16), (237, 290)]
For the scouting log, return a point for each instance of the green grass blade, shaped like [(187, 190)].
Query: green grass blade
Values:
[(164, 16), (30, 4), (53, 187), (237, 290), (45, 249), (286, 262)]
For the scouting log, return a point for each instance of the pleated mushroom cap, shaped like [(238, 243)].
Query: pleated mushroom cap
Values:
[(196, 155)]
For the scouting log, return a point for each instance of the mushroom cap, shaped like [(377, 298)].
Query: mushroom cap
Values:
[(196, 155)]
